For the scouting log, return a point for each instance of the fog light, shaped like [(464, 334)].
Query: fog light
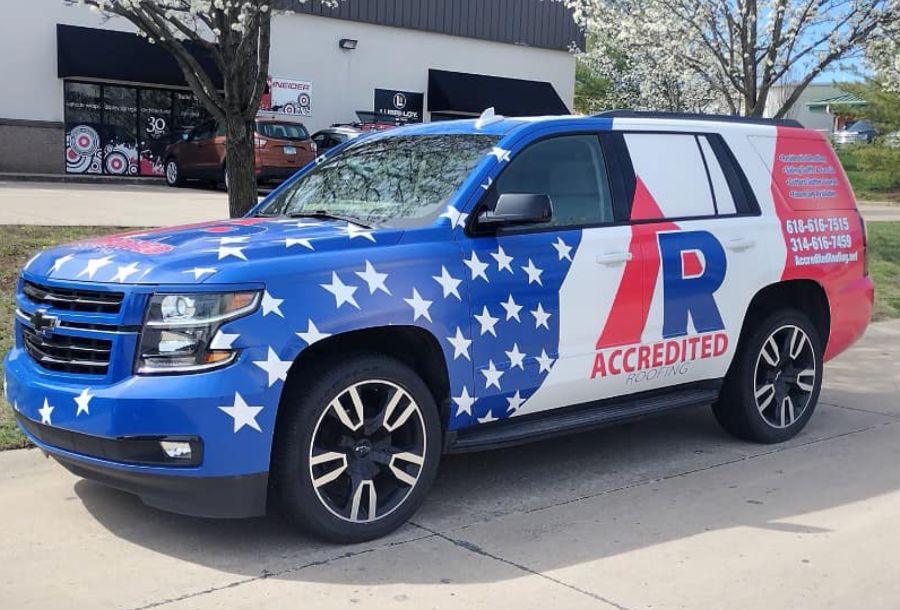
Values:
[(177, 450)]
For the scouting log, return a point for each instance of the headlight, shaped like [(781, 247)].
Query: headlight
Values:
[(179, 330)]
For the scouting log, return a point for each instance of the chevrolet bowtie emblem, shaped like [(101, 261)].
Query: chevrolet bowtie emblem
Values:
[(43, 323)]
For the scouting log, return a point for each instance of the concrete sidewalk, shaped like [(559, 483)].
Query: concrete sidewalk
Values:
[(150, 205), (666, 513)]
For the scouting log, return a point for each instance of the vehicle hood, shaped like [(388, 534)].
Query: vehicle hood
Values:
[(218, 251)]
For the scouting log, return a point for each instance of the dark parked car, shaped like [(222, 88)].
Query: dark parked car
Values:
[(282, 147), (333, 136)]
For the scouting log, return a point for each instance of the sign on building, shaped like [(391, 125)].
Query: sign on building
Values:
[(287, 96), (405, 106)]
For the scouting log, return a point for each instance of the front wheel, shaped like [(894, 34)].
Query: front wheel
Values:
[(173, 173), (357, 449), (773, 385)]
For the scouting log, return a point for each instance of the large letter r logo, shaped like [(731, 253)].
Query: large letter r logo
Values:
[(693, 264)]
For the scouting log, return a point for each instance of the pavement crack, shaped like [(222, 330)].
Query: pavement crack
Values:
[(274, 574), (474, 548), (857, 409)]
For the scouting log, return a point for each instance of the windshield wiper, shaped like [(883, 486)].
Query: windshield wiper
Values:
[(329, 216)]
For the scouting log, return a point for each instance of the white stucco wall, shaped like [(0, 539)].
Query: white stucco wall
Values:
[(303, 48)]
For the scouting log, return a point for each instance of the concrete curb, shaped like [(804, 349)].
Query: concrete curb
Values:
[(82, 179)]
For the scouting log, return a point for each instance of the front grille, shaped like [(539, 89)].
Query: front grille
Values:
[(68, 354), (74, 299)]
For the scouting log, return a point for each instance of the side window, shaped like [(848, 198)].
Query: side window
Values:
[(672, 169), (203, 131), (721, 190), (220, 129), (571, 170)]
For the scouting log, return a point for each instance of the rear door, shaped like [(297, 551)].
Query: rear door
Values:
[(703, 257)]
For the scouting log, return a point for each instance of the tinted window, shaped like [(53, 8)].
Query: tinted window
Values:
[(671, 168), (571, 170), (282, 131), (203, 131), (393, 181), (721, 191)]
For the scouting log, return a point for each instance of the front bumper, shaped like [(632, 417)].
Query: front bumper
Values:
[(113, 442), (220, 497)]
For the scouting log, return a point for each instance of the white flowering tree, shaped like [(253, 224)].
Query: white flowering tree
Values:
[(714, 55), (236, 34)]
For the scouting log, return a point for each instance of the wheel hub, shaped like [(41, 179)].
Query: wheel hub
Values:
[(785, 376)]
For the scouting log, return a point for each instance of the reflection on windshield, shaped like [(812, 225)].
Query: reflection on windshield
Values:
[(394, 180)]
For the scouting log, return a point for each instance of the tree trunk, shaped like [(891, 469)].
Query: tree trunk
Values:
[(240, 164)]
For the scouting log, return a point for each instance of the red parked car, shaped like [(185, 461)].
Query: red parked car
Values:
[(282, 147)]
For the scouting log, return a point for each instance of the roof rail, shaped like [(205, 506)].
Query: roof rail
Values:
[(722, 118)]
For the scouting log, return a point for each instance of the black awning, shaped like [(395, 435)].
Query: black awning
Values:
[(121, 56), (453, 92)]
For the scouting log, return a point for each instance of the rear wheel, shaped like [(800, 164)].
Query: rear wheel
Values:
[(773, 385), (357, 449)]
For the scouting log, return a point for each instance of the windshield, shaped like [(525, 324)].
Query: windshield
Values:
[(282, 131), (396, 181)]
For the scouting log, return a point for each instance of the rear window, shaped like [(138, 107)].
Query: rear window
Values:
[(282, 131)]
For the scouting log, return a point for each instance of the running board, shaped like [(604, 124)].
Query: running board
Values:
[(527, 428)]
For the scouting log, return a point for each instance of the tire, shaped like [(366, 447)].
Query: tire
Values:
[(173, 172), (327, 489), (773, 385)]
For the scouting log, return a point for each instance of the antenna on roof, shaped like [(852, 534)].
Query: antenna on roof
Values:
[(487, 118)]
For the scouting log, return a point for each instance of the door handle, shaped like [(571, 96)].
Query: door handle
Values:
[(613, 258), (739, 243)]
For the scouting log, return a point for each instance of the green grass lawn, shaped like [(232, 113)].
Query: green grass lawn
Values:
[(19, 243), (873, 171)]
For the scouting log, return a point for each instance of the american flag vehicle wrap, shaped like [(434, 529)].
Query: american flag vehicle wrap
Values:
[(527, 322)]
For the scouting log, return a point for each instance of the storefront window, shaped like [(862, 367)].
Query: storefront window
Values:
[(83, 125), (124, 131)]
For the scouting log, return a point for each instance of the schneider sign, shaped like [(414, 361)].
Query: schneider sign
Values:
[(403, 105)]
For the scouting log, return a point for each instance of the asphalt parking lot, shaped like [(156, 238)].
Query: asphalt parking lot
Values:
[(664, 513), (144, 205)]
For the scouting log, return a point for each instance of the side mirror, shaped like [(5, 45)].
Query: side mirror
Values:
[(518, 208)]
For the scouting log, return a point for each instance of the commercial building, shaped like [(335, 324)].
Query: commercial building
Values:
[(84, 94)]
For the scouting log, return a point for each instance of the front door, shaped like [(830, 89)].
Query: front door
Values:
[(541, 294)]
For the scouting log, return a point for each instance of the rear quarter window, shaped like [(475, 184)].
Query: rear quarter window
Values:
[(805, 171)]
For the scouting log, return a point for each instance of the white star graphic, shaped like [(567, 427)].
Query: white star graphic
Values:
[(354, 230), (420, 306), (516, 358), (124, 271), (374, 279), (563, 249), (243, 414), (83, 401), (512, 308), (534, 274), (464, 402), (294, 241), (343, 293), (223, 341), (457, 218), (235, 251), (503, 260), (94, 265), (541, 317), (500, 153), (488, 418), (460, 345), (488, 184), (492, 375), (58, 263), (271, 305), (487, 321), (275, 367), (544, 362), (514, 402), (45, 412), (477, 267), (312, 334), (233, 240), (449, 283), (201, 271)]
